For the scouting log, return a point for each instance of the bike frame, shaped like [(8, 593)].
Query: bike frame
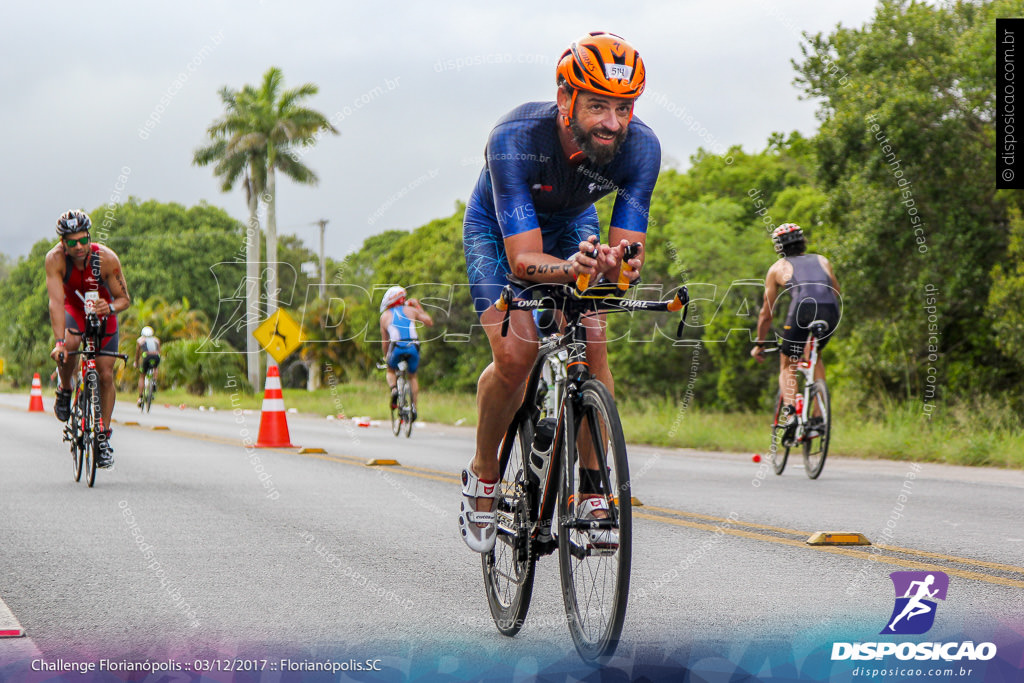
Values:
[(88, 353), (806, 367), (573, 341)]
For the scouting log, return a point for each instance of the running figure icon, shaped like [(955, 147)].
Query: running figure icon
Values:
[(916, 593), (915, 606)]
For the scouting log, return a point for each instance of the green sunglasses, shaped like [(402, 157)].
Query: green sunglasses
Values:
[(81, 240)]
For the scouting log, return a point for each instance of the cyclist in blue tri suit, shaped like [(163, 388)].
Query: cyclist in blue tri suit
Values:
[(398, 332), (532, 214)]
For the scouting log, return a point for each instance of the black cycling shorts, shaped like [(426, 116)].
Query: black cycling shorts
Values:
[(150, 361), (798, 327)]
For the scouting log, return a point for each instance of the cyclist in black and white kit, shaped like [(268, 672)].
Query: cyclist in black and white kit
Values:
[(147, 347), (814, 295)]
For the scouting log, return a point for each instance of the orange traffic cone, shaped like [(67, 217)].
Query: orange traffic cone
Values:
[(273, 423), (35, 401)]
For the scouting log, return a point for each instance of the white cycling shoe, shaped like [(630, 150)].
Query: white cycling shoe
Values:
[(600, 539), (479, 539)]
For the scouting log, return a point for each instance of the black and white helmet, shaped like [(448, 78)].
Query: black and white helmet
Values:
[(785, 235), (73, 221)]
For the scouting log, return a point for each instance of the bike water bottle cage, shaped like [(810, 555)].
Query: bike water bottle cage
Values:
[(544, 435)]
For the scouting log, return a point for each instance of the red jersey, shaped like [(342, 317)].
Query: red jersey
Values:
[(78, 282)]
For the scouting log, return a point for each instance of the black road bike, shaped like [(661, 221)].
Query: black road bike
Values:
[(810, 427), (148, 388), (539, 505), (84, 428)]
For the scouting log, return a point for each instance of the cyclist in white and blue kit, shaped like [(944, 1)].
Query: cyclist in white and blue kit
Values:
[(398, 318)]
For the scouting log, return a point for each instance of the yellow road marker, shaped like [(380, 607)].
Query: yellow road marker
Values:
[(838, 538)]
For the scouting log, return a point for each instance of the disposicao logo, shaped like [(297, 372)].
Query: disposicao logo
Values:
[(914, 614), (916, 592)]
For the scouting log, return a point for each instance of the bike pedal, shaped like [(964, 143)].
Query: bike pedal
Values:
[(545, 546)]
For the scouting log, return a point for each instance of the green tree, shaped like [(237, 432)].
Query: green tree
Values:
[(1006, 298), (905, 156), (192, 258)]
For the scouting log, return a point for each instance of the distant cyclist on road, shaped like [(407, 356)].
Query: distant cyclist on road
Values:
[(398, 318), (813, 295), (73, 267), (147, 348), (532, 214)]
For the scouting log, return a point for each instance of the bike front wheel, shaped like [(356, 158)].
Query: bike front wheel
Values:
[(90, 431), (819, 431), (509, 567), (594, 566), (75, 432), (396, 411)]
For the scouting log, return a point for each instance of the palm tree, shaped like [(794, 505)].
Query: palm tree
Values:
[(238, 155), (282, 127), (261, 132)]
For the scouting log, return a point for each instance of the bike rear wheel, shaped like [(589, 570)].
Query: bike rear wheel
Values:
[(406, 404), (148, 398), (595, 579), (816, 447), (778, 452), (509, 568)]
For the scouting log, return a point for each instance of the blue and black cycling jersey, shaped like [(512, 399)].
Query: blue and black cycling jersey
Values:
[(527, 183)]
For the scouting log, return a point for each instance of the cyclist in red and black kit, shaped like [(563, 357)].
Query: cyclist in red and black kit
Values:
[(77, 265), (532, 214)]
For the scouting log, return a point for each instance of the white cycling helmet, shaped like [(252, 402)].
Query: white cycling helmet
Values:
[(147, 331), (393, 296)]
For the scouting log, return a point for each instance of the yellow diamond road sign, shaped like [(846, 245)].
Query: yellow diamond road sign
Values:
[(279, 335)]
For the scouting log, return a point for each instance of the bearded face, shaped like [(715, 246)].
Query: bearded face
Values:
[(598, 143), (598, 124)]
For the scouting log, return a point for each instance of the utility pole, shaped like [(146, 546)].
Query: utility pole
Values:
[(323, 261)]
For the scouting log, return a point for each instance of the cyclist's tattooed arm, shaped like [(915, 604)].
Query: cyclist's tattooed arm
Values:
[(115, 283), (528, 260)]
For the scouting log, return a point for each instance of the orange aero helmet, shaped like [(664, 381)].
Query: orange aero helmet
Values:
[(602, 63)]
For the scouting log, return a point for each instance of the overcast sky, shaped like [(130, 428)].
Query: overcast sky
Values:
[(414, 88)]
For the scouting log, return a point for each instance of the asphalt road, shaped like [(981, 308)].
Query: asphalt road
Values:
[(198, 548)]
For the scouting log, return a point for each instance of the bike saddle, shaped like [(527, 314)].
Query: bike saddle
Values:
[(819, 328)]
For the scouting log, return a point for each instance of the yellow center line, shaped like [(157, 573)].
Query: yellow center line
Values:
[(670, 511), (835, 550), (953, 558)]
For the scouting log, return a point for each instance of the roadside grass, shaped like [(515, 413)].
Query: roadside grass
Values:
[(980, 432)]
